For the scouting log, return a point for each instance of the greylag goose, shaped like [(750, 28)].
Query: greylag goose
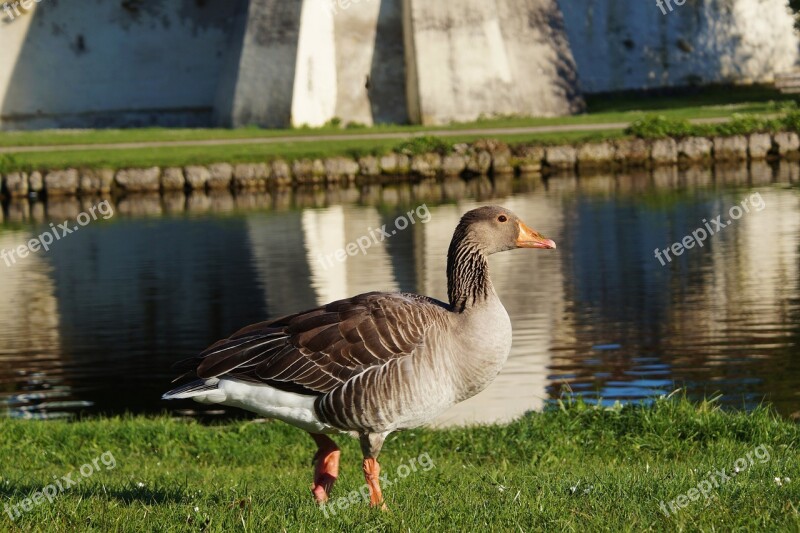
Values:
[(374, 363)]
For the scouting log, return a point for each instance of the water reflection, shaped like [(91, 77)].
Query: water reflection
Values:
[(33, 373), (95, 323)]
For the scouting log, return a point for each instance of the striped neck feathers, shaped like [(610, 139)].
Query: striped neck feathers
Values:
[(468, 281)]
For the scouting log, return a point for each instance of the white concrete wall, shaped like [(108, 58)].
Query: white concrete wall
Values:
[(263, 62), (96, 64), (370, 62), (242, 62), (622, 44), (488, 57), (309, 61), (315, 87)]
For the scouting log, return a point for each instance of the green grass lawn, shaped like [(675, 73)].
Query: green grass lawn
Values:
[(710, 102), (577, 468), (246, 153)]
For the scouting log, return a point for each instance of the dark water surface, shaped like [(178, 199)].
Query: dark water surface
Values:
[(94, 324)]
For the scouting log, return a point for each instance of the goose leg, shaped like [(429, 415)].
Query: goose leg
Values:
[(371, 444), (326, 467)]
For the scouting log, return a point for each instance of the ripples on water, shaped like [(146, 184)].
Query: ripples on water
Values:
[(94, 324)]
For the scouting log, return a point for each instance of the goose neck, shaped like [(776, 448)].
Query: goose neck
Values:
[(468, 281)]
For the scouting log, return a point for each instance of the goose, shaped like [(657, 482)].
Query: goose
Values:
[(375, 363)]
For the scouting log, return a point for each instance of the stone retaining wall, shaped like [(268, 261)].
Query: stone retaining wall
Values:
[(483, 157)]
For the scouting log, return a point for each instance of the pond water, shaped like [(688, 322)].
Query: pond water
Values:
[(93, 325)]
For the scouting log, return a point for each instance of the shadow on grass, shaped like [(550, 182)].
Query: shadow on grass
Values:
[(14, 494), (672, 97)]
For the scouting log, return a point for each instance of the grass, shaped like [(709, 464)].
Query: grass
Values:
[(676, 106), (572, 468), (659, 126), (706, 102), (202, 155)]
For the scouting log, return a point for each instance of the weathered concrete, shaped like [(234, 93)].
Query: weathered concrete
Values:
[(307, 62), (625, 44), (112, 56), (258, 88), (370, 62), (276, 63), (487, 57), (315, 77)]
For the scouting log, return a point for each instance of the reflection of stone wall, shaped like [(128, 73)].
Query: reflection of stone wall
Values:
[(28, 311), (31, 362)]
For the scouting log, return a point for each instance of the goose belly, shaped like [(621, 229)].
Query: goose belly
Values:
[(402, 394), (292, 408)]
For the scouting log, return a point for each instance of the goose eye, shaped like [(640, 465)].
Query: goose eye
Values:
[(502, 218)]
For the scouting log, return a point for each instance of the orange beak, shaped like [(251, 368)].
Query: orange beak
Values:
[(529, 238)]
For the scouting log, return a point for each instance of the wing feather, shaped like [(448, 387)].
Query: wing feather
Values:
[(316, 351)]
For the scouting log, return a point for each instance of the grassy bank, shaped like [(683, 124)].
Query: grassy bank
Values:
[(712, 102), (252, 153), (577, 468), (708, 102)]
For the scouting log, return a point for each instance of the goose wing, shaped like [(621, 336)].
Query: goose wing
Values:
[(316, 351)]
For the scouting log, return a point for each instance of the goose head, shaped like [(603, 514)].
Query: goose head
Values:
[(493, 229)]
